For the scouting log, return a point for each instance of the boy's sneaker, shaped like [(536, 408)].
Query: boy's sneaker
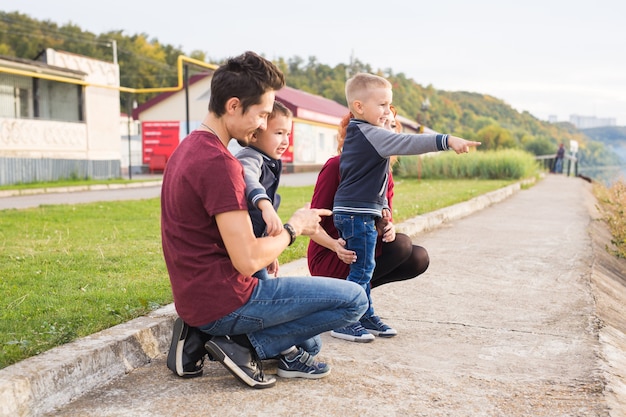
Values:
[(375, 326), (243, 363), (353, 332), (187, 353), (302, 365)]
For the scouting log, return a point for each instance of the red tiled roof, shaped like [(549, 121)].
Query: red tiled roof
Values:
[(301, 103), (298, 99)]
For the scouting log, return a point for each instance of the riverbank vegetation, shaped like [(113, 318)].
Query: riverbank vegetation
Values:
[(612, 205)]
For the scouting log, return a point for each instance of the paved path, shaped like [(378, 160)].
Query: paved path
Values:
[(502, 324)]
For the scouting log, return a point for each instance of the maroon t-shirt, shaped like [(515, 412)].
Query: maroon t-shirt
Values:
[(322, 261), (202, 179)]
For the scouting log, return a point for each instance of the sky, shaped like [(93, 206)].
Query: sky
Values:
[(548, 57)]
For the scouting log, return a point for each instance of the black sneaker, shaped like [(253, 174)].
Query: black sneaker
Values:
[(302, 365), (187, 353), (244, 364)]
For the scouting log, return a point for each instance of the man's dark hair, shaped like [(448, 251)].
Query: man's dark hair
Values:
[(247, 77)]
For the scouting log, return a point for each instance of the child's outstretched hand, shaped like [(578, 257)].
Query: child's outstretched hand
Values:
[(461, 145)]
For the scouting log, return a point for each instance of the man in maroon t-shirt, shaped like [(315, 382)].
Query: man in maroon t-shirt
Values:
[(211, 251)]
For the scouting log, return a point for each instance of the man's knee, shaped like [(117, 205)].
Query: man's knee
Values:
[(357, 298)]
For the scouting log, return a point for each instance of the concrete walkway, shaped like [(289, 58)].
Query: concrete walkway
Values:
[(503, 323)]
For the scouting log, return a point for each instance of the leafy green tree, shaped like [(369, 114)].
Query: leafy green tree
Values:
[(538, 146), (494, 137)]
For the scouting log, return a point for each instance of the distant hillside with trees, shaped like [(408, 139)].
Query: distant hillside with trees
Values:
[(613, 139), (145, 62)]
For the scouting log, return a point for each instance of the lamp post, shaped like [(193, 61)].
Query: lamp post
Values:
[(132, 103)]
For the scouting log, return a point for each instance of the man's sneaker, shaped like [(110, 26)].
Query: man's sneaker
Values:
[(302, 365), (353, 332), (244, 364), (375, 326), (187, 353)]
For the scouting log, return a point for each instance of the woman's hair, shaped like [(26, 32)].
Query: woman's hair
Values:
[(247, 77), (341, 134), (395, 124)]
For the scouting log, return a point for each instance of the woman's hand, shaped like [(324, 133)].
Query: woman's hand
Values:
[(389, 233), (344, 255)]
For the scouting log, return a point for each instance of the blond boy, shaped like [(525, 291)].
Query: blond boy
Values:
[(361, 196)]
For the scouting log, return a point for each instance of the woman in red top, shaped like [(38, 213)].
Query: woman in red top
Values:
[(397, 259)]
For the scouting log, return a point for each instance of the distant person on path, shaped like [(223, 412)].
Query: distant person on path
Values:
[(558, 162), (262, 168), (397, 259), (360, 201), (211, 251)]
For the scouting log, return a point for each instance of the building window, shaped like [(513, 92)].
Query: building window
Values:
[(24, 98), (15, 97)]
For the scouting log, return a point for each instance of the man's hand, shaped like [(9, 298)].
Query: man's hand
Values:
[(306, 221)]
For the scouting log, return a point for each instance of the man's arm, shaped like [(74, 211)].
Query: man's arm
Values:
[(249, 253)]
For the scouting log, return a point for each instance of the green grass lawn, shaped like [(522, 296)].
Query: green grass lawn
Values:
[(68, 271)]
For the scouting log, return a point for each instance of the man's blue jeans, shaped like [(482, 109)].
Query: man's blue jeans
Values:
[(283, 312), (359, 232), (559, 166)]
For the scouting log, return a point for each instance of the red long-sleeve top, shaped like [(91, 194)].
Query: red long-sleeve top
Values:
[(323, 261)]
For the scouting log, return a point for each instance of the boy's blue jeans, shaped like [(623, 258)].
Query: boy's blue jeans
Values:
[(283, 312), (359, 232)]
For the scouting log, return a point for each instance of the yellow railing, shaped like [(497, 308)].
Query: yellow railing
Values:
[(181, 59)]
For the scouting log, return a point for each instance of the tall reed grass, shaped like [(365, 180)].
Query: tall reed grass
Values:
[(508, 164)]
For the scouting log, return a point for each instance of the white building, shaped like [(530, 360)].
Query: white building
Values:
[(59, 118), (587, 122)]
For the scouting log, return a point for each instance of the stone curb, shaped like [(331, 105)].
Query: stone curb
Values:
[(54, 378)]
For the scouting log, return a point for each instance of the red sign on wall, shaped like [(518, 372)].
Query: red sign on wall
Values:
[(159, 138)]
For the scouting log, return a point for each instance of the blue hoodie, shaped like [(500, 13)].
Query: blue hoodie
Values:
[(364, 164)]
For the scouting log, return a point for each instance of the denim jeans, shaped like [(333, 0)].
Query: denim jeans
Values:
[(559, 166), (261, 274), (291, 311), (359, 232)]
